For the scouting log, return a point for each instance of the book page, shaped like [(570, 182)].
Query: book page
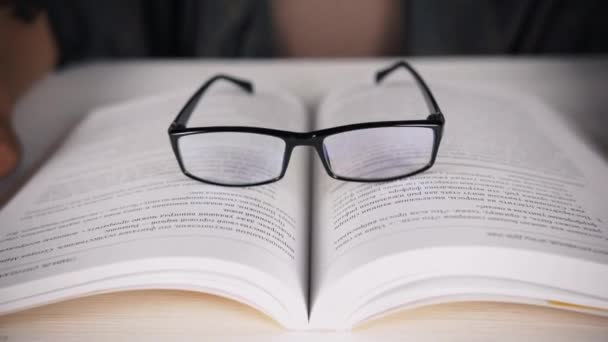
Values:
[(113, 197), (507, 176)]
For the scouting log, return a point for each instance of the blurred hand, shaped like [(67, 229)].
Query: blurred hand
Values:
[(9, 147), (27, 52)]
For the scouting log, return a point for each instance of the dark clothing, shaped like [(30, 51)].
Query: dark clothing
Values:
[(158, 28), (242, 28), (507, 27)]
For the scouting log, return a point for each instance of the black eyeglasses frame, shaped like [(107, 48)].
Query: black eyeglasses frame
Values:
[(435, 121)]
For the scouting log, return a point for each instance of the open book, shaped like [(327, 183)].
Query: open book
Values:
[(514, 210)]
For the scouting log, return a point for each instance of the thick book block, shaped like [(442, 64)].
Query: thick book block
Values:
[(513, 211)]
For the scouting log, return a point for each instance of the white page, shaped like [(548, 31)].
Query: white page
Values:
[(507, 176), (114, 194)]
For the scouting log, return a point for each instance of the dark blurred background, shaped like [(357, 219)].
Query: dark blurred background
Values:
[(38, 36), (318, 28)]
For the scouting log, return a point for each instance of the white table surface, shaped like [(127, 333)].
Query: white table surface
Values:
[(576, 88)]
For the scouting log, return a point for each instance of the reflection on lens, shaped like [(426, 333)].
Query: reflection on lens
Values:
[(232, 158), (379, 153)]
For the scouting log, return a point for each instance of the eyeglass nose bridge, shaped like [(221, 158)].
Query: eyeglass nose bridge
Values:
[(311, 139), (305, 139)]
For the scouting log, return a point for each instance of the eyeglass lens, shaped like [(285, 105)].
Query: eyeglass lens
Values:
[(232, 158), (379, 153)]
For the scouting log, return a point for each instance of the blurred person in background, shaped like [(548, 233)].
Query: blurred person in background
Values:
[(38, 36)]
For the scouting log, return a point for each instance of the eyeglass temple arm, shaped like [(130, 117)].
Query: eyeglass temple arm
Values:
[(428, 96), (184, 114)]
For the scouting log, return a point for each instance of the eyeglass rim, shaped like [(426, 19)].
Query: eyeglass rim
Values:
[(314, 139)]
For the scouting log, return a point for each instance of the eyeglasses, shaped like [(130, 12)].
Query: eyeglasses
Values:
[(241, 156)]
